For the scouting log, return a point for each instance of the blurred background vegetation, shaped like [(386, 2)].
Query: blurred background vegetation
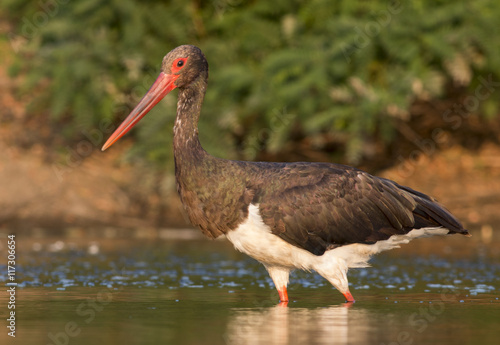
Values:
[(368, 83), (336, 77)]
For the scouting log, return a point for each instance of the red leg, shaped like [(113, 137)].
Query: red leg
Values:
[(348, 297), (283, 294)]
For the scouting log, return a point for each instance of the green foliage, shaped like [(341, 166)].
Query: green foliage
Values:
[(349, 69)]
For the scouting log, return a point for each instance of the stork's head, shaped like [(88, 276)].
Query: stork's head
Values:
[(180, 69)]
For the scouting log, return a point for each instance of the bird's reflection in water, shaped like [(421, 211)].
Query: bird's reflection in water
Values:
[(281, 325)]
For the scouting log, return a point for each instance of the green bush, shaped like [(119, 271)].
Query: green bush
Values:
[(348, 70)]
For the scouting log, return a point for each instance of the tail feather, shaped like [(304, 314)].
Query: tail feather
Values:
[(430, 213)]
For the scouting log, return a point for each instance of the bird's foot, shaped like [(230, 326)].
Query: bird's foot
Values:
[(283, 294), (348, 297), (282, 304)]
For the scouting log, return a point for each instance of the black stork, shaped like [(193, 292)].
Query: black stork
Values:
[(310, 216)]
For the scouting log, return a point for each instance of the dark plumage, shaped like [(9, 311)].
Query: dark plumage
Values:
[(286, 215), (314, 206)]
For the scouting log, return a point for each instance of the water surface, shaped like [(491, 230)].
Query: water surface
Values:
[(117, 291)]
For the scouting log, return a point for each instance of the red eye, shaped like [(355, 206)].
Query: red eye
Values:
[(178, 64)]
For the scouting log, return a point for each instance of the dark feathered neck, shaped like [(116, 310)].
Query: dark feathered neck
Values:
[(190, 99)]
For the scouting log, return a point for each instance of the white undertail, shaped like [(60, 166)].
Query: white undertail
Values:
[(255, 239)]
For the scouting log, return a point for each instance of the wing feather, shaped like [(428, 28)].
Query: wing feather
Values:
[(320, 206)]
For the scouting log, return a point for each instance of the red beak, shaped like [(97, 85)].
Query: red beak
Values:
[(163, 85)]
